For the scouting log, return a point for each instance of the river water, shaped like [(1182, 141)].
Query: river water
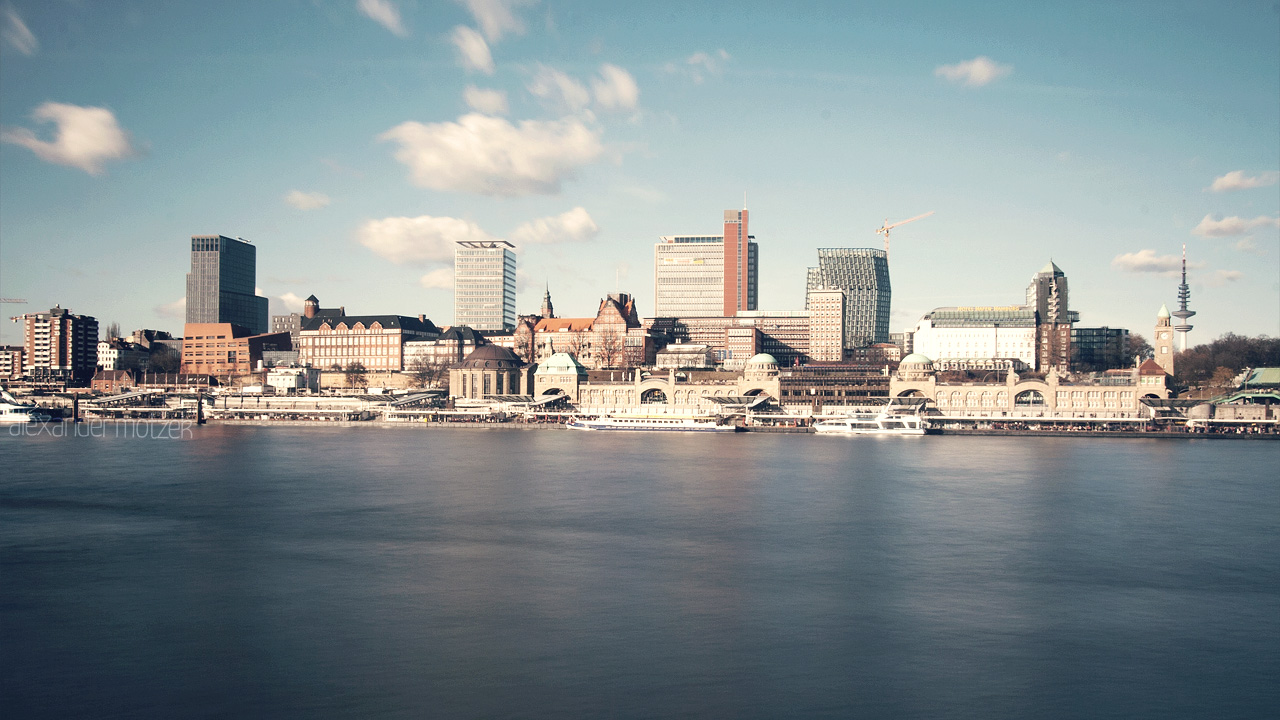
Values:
[(410, 573)]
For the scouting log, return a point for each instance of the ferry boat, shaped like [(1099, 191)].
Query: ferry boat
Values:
[(671, 423), (12, 411), (883, 423)]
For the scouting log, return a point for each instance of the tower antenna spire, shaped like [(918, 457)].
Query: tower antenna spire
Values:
[(1182, 313)]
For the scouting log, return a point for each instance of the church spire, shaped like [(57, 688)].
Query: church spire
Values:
[(548, 311)]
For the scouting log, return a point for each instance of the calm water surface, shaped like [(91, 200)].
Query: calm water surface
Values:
[(407, 573)]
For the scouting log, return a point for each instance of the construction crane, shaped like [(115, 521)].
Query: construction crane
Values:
[(884, 229), (19, 301)]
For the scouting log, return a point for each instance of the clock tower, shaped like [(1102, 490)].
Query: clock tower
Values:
[(1162, 340)]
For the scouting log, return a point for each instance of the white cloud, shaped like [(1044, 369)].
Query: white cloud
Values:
[(473, 51), (615, 88), (385, 13), (1249, 246), (489, 102), (86, 137), (1237, 180), (422, 240), (496, 17), (974, 73), (176, 309), (292, 301), (575, 225), (307, 201), (700, 65), (490, 156), (1222, 277), (1146, 261), (558, 91), (1228, 226), (440, 279), (17, 35)]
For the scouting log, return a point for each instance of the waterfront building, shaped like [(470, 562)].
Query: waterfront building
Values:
[(978, 334), (224, 350), (781, 334), (1047, 296), (685, 356), (484, 285), (1117, 394), (1097, 349), (292, 323), (375, 342), (675, 391), (291, 380), (112, 381), (59, 346), (10, 362), (707, 275), (220, 286), (826, 324), (863, 275), (828, 385), (118, 354), (611, 339), (490, 371), (1162, 340)]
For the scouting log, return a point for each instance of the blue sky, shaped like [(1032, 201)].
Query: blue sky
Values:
[(353, 140)]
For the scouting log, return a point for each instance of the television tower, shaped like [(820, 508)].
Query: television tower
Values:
[(1182, 313)]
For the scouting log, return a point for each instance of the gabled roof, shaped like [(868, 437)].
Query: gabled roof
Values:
[(564, 324), (1150, 367), (386, 321)]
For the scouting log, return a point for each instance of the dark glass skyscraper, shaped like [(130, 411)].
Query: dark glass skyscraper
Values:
[(220, 286), (863, 275)]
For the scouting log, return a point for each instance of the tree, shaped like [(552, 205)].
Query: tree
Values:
[(1223, 378), (576, 344), (609, 348), (1199, 364), (113, 331), (356, 374), (1139, 347), (426, 371)]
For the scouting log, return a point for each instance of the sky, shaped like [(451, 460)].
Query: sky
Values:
[(353, 141)]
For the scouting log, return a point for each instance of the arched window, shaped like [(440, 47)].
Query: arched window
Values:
[(652, 397), (1029, 398)]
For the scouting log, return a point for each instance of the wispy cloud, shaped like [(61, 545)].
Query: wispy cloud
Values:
[(700, 65), (490, 156), (1219, 278), (1146, 261), (575, 225), (497, 17), (977, 72), (473, 51), (1237, 180), (307, 201), (1248, 245), (489, 102), (17, 35), (422, 240), (385, 13), (176, 309), (1231, 226), (285, 304), (615, 89), (557, 90), (86, 137), (438, 279)]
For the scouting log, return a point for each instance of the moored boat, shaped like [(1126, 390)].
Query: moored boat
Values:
[(668, 423), (883, 423)]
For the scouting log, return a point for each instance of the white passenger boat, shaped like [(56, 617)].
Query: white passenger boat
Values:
[(673, 423), (883, 423), (12, 411)]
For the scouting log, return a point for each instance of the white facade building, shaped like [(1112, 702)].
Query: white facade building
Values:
[(978, 333), (484, 285), (826, 324)]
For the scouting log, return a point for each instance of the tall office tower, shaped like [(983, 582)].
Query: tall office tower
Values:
[(739, 264), (220, 286), (1182, 313), (863, 275), (484, 285), (1047, 296), (59, 345), (705, 276)]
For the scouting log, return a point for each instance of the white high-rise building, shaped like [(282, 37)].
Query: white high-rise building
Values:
[(484, 285)]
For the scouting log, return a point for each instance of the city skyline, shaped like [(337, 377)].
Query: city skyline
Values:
[(1086, 135)]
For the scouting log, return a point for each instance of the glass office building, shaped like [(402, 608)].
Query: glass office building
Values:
[(863, 275), (220, 286)]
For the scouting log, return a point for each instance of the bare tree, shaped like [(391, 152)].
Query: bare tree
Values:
[(164, 359), (113, 331), (427, 371), (356, 372), (609, 348), (576, 344)]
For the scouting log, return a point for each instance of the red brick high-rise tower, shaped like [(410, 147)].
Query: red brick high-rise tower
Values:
[(739, 264)]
